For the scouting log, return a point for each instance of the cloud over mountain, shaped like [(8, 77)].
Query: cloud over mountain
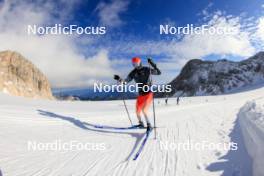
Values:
[(57, 56)]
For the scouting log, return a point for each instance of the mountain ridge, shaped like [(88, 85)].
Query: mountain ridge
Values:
[(20, 77), (200, 77)]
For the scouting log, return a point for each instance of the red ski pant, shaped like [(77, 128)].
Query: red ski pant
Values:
[(143, 102)]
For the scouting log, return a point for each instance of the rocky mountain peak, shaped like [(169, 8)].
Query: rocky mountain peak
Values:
[(20, 77), (200, 77)]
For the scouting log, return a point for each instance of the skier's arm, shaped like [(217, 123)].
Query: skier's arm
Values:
[(155, 70), (130, 77)]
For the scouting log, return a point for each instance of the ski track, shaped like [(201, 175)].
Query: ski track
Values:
[(194, 120)]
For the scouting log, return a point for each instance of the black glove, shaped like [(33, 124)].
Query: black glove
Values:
[(117, 77), (150, 61)]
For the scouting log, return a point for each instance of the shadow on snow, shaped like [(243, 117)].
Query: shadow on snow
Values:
[(90, 127), (235, 162)]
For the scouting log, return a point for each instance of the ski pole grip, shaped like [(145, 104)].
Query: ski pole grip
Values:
[(117, 77), (150, 61)]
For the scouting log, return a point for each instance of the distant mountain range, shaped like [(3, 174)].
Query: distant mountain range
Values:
[(89, 94), (20, 77), (196, 78), (218, 77)]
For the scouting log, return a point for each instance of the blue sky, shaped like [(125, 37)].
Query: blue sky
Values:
[(141, 19), (140, 14), (132, 30)]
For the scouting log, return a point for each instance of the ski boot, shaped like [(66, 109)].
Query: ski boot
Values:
[(149, 127), (140, 124)]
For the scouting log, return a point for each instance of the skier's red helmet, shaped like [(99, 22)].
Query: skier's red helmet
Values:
[(136, 61)]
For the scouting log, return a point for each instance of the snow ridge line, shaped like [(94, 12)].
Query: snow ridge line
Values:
[(251, 119)]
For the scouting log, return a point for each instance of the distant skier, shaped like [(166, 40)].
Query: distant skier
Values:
[(166, 101), (178, 100), (141, 75)]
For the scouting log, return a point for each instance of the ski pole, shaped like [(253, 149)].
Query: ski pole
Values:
[(154, 114), (123, 97), (153, 105), (127, 111)]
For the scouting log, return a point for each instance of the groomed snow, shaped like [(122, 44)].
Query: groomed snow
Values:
[(211, 119)]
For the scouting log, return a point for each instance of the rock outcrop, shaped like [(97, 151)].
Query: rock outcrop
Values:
[(217, 77), (20, 77)]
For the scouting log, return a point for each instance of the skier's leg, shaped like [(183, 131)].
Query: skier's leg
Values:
[(139, 106), (140, 123), (145, 112), (148, 101), (138, 116)]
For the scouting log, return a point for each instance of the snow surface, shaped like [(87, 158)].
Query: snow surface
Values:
[(196, 119), (251, 118)]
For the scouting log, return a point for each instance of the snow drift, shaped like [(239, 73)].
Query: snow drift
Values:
[(251, 119)]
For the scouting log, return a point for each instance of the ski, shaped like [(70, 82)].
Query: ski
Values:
[(142, 144), (114, 128)]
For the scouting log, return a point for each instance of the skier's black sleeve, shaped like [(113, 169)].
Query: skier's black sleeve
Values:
[(155, 71), (130, 76)]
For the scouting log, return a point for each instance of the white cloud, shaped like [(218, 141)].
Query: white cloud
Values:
[(175, 53), (260, 29), (197, 45), (109, 13), (59, 57), (56, 56), (205, 12)]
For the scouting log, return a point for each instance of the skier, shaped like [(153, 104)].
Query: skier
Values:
[(141, 76), (166, 101), (178, 100)]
